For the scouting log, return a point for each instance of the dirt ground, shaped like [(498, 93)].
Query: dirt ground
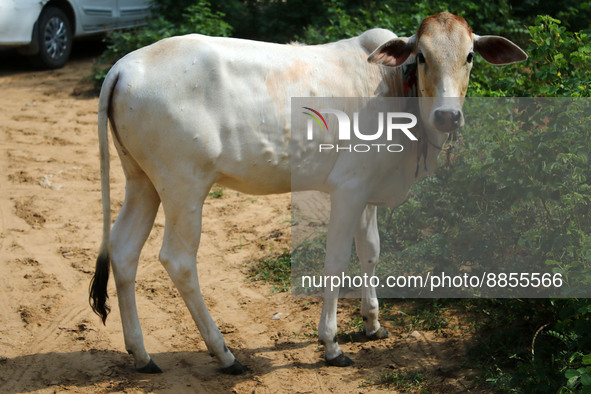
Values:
[(50, 231)]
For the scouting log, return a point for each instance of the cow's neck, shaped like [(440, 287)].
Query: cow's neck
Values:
[(400, 81), (427, 150), (409, 80)]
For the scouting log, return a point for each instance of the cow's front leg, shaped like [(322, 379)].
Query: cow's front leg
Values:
[(345, 210), (367, 244)]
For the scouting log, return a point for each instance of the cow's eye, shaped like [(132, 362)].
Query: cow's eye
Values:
[(470, 57), (421, 58)]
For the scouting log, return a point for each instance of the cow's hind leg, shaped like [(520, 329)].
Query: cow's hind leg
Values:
[(367, 244), (128, 236), (182, 232)]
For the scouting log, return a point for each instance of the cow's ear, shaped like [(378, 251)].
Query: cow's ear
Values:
[(394, 52), (498, 50)]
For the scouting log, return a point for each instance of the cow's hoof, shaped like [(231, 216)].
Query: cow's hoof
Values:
[(340, 361), (381, 333), (150, 367), (235, 369)]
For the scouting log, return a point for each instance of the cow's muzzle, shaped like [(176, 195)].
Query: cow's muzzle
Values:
[(448, 120)]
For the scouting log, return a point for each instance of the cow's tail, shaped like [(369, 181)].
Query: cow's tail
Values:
[(98, 284)]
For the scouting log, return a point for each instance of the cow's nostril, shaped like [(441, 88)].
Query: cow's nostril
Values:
[(439, 116), (456, 117)]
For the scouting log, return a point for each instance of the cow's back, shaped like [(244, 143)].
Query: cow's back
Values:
[(223, 105)]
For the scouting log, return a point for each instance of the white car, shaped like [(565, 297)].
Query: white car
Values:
[(45, 29)]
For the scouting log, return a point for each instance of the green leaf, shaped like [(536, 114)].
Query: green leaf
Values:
[(571, 373), (586, 379)]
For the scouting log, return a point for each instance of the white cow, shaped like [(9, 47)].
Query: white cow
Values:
[(190, 111)]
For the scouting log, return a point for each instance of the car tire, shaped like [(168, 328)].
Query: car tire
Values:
[(54, 37)]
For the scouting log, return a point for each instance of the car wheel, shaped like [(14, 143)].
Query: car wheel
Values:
[(54, 36)]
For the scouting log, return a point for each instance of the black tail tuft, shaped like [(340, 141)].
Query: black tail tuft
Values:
[(98, 287)]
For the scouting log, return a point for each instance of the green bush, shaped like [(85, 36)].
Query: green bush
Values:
[(558, 65), (348, 19)]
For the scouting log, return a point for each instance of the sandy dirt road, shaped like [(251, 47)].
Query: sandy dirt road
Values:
[(50, 226)]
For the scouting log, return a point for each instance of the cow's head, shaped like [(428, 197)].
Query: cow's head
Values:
[(444, 48)]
